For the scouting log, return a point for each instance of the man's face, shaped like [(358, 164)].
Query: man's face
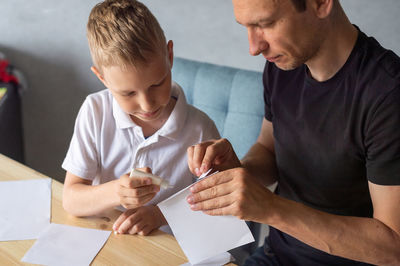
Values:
[(144, 91), (279, 32)]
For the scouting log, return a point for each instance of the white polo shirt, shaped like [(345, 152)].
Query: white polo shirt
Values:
[(107, 144)]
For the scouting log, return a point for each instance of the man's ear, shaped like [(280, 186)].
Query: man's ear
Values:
[(98, 75), (170, 49), (322, 8)]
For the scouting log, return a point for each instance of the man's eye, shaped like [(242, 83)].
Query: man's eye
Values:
[(266, 25)]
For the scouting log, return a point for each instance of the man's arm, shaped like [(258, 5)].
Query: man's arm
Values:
[(373, 240), (260, 159), (238, 192)]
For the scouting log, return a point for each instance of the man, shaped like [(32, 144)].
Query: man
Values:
[(330, 137)]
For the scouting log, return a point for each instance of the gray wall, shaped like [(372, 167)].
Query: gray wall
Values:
[(46, 40)]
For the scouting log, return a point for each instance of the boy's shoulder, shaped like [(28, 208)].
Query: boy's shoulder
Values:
[(97, 106), (193, 113), (99, 96), (100, 101)]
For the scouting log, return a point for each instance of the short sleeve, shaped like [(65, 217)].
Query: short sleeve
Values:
[(82, 156), (382, 142), (267, 92)]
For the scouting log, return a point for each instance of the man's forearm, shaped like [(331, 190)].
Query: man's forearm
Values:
[(260, 162), (361, 239)]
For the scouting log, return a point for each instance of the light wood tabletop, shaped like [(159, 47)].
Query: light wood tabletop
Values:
[(158, 248)]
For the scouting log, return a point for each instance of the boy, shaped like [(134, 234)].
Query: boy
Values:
[(142, 120)]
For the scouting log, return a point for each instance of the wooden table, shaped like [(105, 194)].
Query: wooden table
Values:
[(158, 248)]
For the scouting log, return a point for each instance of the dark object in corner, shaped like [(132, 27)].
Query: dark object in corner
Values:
[(11, 138)]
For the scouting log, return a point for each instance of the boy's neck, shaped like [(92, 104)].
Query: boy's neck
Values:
[(151, 127)]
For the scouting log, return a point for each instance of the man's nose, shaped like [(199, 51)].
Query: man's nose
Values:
[(257, 42)]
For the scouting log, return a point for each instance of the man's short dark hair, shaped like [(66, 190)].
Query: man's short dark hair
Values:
[(300, 5)]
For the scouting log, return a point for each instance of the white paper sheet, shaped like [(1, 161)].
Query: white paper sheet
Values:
[(25, 208), (202, 236), (66, 245), (220, 259)]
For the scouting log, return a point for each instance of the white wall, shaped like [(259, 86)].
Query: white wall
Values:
[(46, 40)]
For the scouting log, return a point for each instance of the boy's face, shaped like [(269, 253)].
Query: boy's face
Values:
[(144, 91)]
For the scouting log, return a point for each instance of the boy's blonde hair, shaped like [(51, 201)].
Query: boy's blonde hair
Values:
[(123, 32)]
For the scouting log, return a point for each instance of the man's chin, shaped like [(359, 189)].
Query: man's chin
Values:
[(287, 66)]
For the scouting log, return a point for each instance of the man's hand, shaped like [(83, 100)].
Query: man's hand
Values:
[(232, 192), (216, 154), (140, 221), (136, 191)]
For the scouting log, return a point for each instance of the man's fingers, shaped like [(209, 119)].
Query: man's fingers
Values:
[(214, 203), (211, 192), (216, 179), (198, 157), (190, 152), (228, 210)]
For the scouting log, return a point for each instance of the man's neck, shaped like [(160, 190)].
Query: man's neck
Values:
[(334, 51)]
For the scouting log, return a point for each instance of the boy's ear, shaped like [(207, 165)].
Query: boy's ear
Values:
[(170, 48), (98, 75)]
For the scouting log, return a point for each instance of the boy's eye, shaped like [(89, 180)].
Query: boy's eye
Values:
[(129, 94), (158, 85)]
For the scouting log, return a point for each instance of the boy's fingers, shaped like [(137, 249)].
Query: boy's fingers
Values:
[(145, 169), (136, 228), (145, 231), (139, 191), (128, 224), (122, 218), (130, 202), (135, 182)]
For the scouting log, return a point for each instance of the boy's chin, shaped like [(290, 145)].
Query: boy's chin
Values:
[(149, 118)]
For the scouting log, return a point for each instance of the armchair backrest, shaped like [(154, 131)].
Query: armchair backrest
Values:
[(232, 97)]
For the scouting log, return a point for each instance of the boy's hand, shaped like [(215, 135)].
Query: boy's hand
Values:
[(140, 221), (136, 191)]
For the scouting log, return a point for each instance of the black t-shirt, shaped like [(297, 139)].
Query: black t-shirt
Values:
[(332, 137)]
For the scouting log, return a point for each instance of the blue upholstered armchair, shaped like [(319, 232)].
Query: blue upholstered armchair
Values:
[(232, 97)]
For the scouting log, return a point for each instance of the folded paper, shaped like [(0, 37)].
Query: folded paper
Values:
[(202, 236)]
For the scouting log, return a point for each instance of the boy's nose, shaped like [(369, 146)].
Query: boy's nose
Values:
[(257, 43), (146, 103)]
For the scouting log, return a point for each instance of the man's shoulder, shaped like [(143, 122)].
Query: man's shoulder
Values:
[(377, 62)]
